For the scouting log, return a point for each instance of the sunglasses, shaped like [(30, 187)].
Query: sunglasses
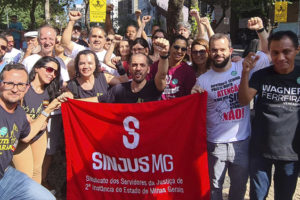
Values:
[(3, 47), (108, 39), (50, 70), (201, 52), (178, 47)]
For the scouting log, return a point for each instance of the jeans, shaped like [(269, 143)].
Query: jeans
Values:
[(234, 157), (16, 185), (285, 178)]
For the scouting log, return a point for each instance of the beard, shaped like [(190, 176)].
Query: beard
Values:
[(222, 64)]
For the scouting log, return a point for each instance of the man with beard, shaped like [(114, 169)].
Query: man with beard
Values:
[(139, 89), (76, 33), (3, 47), (228, 123)]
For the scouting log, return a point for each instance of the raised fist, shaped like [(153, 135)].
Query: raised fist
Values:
[(146, 19), (74, 15), (255, 23)]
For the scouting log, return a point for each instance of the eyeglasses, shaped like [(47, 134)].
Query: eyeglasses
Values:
[(50, 70), (10, 85), (178, 47), (201, 52), (3, 47), (108, 39)]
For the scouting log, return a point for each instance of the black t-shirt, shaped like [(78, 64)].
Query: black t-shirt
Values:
[(33, 106), (276, 127), (122, 93), (100, 87), (82, 42), (12, 127)]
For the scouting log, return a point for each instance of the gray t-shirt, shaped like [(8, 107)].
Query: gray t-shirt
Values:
[(13, 126)]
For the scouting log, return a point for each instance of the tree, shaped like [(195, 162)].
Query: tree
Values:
[(174, 15)]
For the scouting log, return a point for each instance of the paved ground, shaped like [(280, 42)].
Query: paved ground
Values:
[(271, 191)]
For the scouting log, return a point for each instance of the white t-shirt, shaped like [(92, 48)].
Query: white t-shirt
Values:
[(29, 62), (77, 48), (13, 56), (227, 121)]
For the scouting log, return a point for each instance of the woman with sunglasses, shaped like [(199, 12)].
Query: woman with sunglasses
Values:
[(44, 87), (181, 77), (89, 80), (199, 55), (154, 54)]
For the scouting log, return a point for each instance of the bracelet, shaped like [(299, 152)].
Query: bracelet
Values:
[(45, 114), (164, 57), (260, 30)]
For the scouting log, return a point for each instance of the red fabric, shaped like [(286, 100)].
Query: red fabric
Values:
[(174, 130)]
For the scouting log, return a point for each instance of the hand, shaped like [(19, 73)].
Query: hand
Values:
[(109, 8), (55, 104), (115, 60), (117, 38), (195, 13), (255, 23), (196, 89), (74, 15), (236, 58), (65, 96), (138, 13), (163, 46), (204, 21), (146, 19), (249, 62)]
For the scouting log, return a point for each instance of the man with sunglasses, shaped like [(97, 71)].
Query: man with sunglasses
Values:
[(3, 48), (228, 123), (76, 35), (14, 126)]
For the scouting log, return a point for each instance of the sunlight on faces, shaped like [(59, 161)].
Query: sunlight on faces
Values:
[(184, 32), (139, 68), (58, 47), (138, 48), (108, 41), (97, 39), (13, 95), (178, 55), (220, 52), (10, 43), (124, 48), (86, 65), (283, 55), (44, 75), (131, 32), (199, 54), (47, 40)]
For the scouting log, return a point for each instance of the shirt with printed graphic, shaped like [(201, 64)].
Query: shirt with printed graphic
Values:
[(180, 80), (13, 126), (227, 120), (33, 106), (276, 125)]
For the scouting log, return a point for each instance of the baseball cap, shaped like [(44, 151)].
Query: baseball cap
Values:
[(31, 34)]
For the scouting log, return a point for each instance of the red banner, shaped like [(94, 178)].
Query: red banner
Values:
[(153, 150)]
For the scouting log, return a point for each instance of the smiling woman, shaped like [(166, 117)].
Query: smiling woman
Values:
[(44, 81)]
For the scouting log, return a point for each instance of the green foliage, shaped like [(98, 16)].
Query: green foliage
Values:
[(193, 23)]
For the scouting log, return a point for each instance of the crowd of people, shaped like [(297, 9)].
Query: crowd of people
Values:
[(102, 66)]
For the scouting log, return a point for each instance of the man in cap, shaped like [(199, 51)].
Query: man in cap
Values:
[(76, 35), (33, 46)]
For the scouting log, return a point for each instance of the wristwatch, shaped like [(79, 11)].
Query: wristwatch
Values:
[(45, 114)]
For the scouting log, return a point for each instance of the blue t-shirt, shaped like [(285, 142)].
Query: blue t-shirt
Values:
[(17, 26)]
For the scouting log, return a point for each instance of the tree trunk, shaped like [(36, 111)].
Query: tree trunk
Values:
[(174, 15), (47, 11), (234, 26), (32, 25), (86, 19)]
